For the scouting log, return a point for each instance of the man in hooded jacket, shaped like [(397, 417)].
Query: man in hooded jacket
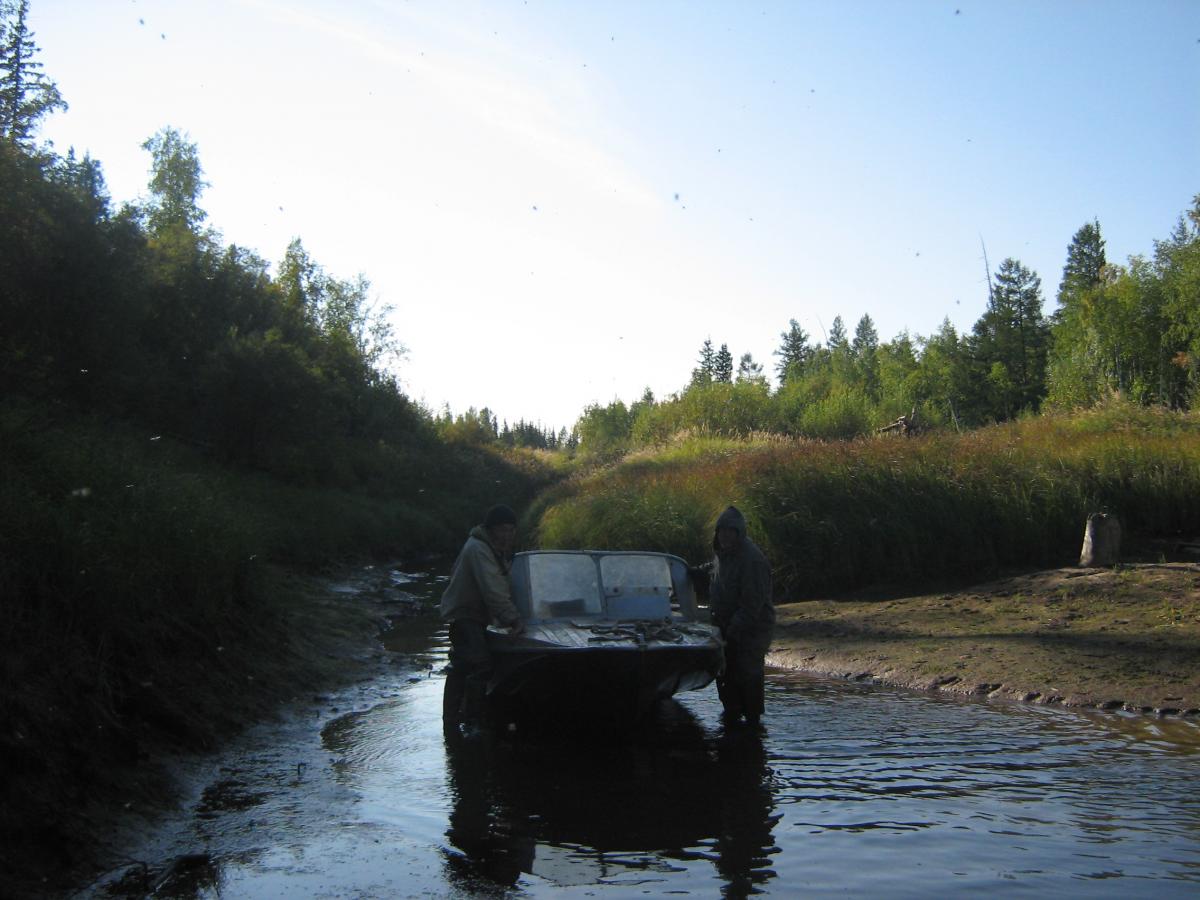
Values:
[(477, 595), (739, 599)]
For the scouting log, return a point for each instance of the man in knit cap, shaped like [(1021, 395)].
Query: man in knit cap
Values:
[(478, 594)]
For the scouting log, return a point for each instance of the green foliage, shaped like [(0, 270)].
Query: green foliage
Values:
[(833, 516), (1133, 331), (158, 323), (604, 431), (142, 596), (662, 500), (176, 182), (845, 412), (716, 408), (1084, 269), (705, 370), (1009, 345), (474, 427), (793, 352), (1177, 267), (723, 366), (26, 95), (749, 370), (865, 349), (1130, 329)]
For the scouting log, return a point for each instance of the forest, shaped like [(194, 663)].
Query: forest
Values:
[(183, 421), (1130, 330)]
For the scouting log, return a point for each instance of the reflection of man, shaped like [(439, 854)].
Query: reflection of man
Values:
[(745, 839), (478, 594), (739, 599), (488, 834)]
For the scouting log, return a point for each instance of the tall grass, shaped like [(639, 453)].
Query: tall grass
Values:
[(838, 515)]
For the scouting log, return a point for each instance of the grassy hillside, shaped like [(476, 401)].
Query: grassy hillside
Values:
[(838, 515), (149, 599)]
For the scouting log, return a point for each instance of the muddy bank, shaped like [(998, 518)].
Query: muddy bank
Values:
[(326, 634), (1120, 638)]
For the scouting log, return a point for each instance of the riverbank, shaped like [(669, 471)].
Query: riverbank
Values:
[(1121, 638), (327, 635), (1125, 637)]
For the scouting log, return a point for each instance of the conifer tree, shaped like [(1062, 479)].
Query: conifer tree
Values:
[(862, 348), (1010, 340), (26, 94), (794, 352), (723, 366), (837, 335), (704, 373), (1085, 263)]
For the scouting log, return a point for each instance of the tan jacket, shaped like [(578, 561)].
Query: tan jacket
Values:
[(479, 590)]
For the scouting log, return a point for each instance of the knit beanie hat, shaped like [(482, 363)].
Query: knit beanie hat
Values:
[(499, 515)]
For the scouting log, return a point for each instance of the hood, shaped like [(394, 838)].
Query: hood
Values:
[(731, 518), (480, 533)]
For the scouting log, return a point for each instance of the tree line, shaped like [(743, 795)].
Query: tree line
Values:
[(141, 312), (482, 427), (144, 311), (1131, 329)]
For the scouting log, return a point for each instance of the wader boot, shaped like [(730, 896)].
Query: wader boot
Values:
[(452, 700), (473, 712)]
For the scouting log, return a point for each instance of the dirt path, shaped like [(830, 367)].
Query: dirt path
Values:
[(1127, 637)]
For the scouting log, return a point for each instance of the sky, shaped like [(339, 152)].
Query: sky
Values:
[(562, 200)]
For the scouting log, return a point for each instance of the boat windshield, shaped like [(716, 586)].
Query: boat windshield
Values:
[(635, 575), (636, 587), (616, 586), (564, 585)]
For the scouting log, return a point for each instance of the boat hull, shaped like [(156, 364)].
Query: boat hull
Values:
[(563, 673)]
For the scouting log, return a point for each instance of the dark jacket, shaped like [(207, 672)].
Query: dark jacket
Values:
[(739, 596)]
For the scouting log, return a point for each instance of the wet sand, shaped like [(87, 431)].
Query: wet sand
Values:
[(1120, 638)]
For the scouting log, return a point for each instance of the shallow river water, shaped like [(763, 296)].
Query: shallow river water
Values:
[(852, 790)]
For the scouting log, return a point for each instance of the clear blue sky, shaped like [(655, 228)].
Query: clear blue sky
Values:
[(563, 200)]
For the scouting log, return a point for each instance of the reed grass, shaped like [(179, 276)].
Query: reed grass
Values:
[(838, 515)]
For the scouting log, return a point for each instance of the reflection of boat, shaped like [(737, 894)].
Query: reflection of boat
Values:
[(575, 813), (608, 634)]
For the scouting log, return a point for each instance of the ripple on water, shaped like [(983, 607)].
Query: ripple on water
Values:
[(854, 789)]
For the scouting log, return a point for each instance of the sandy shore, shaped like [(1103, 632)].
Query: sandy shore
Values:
[(1120, 638)]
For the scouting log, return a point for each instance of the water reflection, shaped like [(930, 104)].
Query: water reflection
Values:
[(575, 810), (855, 790)]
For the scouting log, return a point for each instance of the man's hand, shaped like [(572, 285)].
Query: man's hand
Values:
[(518, 627)]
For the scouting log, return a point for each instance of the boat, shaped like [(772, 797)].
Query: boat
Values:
[(608, 634)]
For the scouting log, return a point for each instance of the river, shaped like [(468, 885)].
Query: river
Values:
[(852, 790)]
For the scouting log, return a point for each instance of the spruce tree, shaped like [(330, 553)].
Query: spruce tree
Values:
[(704, 373), (837, 335), (794, 352), (862, 348), (1009, 342), (723, 366), (26, 94), (1085, 264)]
